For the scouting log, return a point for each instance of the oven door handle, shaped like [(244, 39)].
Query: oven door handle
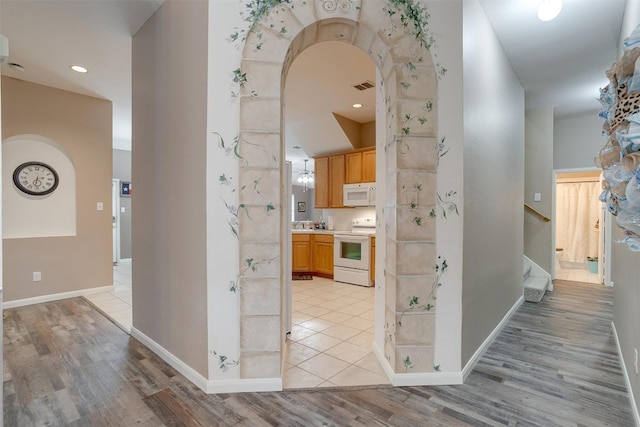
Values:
[(350, 237)]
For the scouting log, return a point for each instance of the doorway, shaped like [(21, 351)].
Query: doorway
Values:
[(331, 322), (579, 223), (407, 129)]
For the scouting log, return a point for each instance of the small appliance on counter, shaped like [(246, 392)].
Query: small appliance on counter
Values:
[(352, 252)]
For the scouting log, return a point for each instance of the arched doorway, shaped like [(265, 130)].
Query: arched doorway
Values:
[(407, 158)]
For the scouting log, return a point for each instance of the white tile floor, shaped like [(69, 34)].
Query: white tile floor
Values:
[(116, 304), (331, 337), (577, 275)]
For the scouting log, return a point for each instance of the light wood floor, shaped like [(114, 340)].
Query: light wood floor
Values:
[(554, 364)]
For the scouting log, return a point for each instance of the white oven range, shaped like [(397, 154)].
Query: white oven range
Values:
[(352, 253)]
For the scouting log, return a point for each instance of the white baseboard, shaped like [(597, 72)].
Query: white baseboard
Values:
[(386, 366), (186, 370), (487, 342), (208, 386), (625, 373), (414, 379), (56, 297), (427, 378), (444, 378), (244, 385)]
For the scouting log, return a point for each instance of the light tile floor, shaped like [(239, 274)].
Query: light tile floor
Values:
[(116, 304), (332, 336), (577, 275)]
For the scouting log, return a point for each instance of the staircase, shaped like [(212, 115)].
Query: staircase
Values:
[(535, 282)]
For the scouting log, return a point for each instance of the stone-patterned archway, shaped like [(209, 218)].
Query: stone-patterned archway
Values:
[(409, 150)]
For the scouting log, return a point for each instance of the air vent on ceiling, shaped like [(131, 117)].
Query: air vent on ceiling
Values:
[(364, 85)]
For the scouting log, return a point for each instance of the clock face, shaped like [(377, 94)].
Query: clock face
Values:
[(35, 178)]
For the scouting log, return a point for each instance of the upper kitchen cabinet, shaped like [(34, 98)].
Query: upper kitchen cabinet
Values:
[(329, 181), (360, 166), (321, 184), (336, 180)]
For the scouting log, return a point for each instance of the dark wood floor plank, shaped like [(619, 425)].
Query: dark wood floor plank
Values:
[(555, 363)]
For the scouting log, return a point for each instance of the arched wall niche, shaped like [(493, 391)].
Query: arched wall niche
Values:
[(407, 158), (26, 216)]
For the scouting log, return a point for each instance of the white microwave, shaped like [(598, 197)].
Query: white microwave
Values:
[(359, 194)]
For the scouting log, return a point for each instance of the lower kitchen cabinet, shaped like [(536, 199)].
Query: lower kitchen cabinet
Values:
[(323, 255), (301, 253)]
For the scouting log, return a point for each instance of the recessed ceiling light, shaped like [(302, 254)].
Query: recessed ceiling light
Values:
[(357, 105), (79, 69), (549, 9), (16, 67)]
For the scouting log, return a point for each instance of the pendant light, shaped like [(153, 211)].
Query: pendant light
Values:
[(305, 177)]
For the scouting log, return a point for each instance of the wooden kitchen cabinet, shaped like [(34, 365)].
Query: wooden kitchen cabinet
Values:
[(301, 253), (372, 267), (329, 181), (336, 181), (360, 166), (333, 171), (353, 173), (323, 255), (321, 182), (369, 166)]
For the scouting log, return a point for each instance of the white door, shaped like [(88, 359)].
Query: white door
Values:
[(115, 219)]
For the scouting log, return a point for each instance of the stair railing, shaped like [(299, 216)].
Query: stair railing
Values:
[(535, 213)]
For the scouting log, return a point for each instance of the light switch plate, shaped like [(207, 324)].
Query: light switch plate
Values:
[(537, 197), (100, 206)]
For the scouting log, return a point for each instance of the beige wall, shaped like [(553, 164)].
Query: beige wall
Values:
[(82, 125), (493, 182), (168, 169), (539, 179)]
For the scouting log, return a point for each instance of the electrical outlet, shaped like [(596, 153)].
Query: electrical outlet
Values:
[(635, 359), (37, 276)]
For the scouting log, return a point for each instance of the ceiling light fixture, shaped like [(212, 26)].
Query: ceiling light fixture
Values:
[(549, 9), (78, 69), (357, 105), (306, 176)]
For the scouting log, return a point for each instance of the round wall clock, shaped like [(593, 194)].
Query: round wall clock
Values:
[(35, 178)]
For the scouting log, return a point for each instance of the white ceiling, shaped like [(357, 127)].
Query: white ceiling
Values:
[(559, 63)]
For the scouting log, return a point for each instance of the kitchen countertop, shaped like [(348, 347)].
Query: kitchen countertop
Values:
[(300, 231), (330, 232)]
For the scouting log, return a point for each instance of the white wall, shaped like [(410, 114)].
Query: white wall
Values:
[(222, 247), (494, 182), (577, 140), (447, 26)]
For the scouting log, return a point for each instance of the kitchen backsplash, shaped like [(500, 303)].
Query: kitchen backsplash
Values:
[(342, 217)]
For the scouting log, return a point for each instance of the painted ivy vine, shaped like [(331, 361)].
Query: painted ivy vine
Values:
[(415, 303), (407, 363), (224, 363), (253, 264), (445, 205)]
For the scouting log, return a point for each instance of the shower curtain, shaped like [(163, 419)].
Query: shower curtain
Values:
[(577, 213)]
